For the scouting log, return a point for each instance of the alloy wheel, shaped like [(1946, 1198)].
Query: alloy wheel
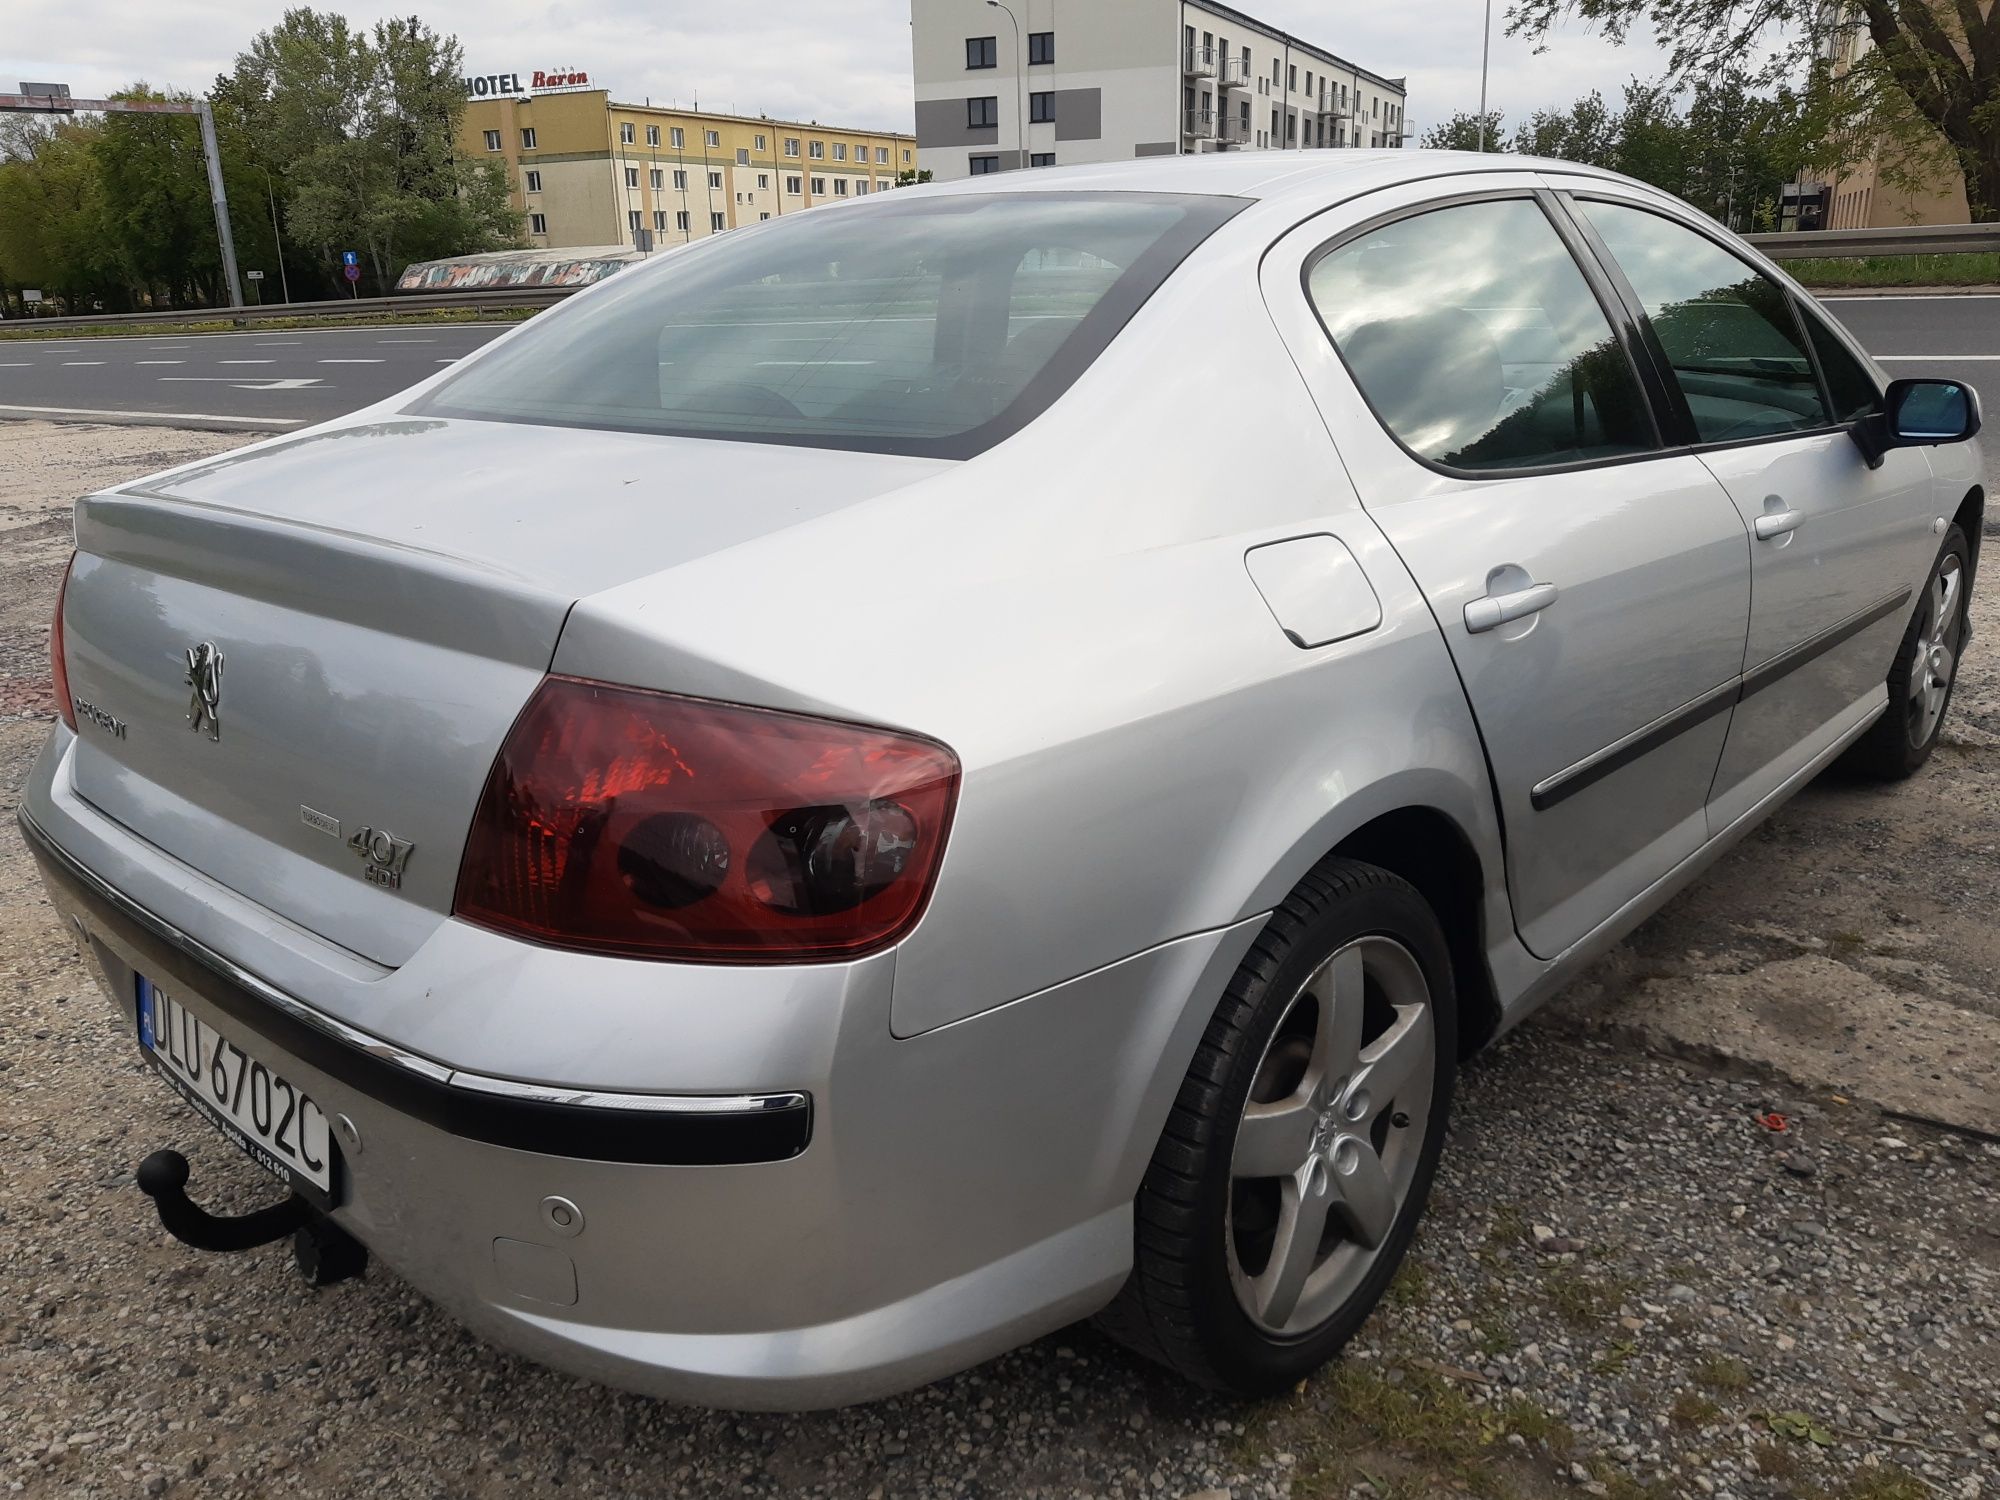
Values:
[(1331, 1136), (1938, 643)]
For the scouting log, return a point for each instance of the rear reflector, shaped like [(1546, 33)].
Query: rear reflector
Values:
[(618, 820)]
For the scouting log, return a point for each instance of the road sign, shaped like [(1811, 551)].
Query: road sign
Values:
[(349, 258), (29, 294), (253, 275), (45, 90), (353, 272), (642, 240)]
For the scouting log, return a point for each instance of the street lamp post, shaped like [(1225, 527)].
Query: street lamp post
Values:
[(1485, 53), (284, 281), (1020, 97)]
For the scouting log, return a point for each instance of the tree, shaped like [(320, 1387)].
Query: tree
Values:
[(156, 209), (1920, 76), (1461, 133), (361, 126), (52, 218), (1586, 132)]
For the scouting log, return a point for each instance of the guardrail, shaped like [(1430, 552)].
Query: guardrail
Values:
[(1852, 244), (339, 307)]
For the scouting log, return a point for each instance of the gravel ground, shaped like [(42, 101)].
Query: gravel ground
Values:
[(1636, 1279)]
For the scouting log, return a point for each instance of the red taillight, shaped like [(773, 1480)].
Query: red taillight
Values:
[(58, 667), (619, 820)]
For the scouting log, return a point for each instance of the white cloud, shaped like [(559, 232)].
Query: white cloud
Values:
[(838, 61)]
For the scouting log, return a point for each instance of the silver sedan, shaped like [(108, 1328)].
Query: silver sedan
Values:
[(939, 766)]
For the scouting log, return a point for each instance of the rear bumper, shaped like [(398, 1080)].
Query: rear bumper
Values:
[(874, 1213)]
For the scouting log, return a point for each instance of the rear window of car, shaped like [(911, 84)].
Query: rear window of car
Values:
[(934, 327)]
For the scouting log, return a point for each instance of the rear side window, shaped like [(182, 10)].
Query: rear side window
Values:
[(1476, 340), (933, 327), (1727, 329)]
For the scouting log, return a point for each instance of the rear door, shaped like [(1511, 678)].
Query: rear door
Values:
[(1487, 399), (1838, 549)]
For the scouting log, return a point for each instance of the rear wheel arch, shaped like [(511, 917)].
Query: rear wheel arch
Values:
[(1971, 519)]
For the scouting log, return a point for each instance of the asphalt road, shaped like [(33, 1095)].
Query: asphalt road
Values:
[(290, 377), (280, 378)]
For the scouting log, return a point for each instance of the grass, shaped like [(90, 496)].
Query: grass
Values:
[(1691, 1409), (1886, 1483), (1721, 1373), (30, 329), (1980, 269), (1582, 1300)]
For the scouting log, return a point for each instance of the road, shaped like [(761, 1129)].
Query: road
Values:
[(286, 378), (279, 378)]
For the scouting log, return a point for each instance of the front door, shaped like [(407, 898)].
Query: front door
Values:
[(1593, 588), (1838, 549)]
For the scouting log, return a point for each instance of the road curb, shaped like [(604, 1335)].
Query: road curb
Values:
[(198, 421)]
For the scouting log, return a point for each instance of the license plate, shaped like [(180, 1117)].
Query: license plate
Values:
[(268, 1116)]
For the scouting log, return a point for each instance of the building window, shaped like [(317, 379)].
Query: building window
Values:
[(760, 144), (791, 145), (1042, 159), (715, 179), (982, 112), (1042, 108), (984, 165), (742, 157), (652, 135), (656, 179), (1041, 47), (682, 222), (840, 187), (819, 186), (1377, 110), (538, 223), (659, 218), (906, 156), (528, 138), (632, 219), (534, 182), (713, 138), (680, 180), (860, 188), (492, 140), (763, 216), (1309, 82), (717, 223), (840, 151), (792, 186), (678, 137), (1292, 78), (631, 177), (763, 179), (982, 52), (626, 135), (816, 150), (881, 156)]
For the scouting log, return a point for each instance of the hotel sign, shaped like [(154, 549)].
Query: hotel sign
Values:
[(511, 85)]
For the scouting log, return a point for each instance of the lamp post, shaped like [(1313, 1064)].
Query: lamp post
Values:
[(1020, 98), (1485, 52), (284, 282)]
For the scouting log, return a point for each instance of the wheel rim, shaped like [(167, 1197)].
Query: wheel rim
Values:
[(1331, 1136), (1938, 641)]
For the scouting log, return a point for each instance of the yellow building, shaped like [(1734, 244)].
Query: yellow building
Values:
[(587, 171)]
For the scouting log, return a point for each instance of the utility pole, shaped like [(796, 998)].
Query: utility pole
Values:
[(1485, 53), (54, 98), (1020, 92)]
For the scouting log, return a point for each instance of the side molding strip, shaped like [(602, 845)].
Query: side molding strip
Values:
[(1643, 741)]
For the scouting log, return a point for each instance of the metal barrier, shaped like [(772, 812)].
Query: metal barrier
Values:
[(339, 307), (1853, 244)]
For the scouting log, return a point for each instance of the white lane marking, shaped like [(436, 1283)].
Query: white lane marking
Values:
[(253, 333), (792, 363), (1915, 297), (69, 362), (159, 361), (246, 361), (406, 341), (18, 364), (1931, 359), (452, 361), (345, 361), (291, 383), (275, 343), (157, 416)]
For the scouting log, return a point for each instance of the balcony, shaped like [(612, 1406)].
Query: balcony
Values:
[(1235, 73), (1198, 124), (1232, 130), (1199, 61)]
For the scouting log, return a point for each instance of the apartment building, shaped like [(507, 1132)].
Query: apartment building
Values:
[(1002, 84), (587, 170), (1888, 187)]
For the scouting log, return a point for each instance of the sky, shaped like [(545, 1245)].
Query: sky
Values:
[(839, 61)]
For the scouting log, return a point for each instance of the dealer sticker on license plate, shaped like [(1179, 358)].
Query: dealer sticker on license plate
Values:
[(268, 1116)]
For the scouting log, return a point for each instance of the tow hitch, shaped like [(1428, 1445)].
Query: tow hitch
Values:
[(325, 1252)]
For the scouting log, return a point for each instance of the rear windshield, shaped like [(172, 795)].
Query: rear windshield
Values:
[(935, 326)]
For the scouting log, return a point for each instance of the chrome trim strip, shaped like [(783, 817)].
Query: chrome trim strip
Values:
[(1642, 741), (383, 1051)]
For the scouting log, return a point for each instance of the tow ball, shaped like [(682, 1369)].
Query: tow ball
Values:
[(325, 1252)]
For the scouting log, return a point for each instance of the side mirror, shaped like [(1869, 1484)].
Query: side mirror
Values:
[(1918, 414)]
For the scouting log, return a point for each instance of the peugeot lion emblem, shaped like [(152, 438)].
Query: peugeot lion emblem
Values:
[(204, 677)]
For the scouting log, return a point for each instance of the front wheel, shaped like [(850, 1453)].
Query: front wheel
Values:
[(1300, 1150), (1922, 675)]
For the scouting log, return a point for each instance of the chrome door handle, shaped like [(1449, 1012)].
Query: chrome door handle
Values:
[(1498, 609), (1777, 523)]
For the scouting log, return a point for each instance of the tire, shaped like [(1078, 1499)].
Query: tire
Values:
[(1920, 680), (1200, 1299)]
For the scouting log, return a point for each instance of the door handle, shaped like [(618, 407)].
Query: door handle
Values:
[(1498, 609), (1776, 523)]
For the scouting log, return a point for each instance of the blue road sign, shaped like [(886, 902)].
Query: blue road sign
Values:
[(349, 258)]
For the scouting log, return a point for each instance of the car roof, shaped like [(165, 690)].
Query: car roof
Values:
[(1264, 175)]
